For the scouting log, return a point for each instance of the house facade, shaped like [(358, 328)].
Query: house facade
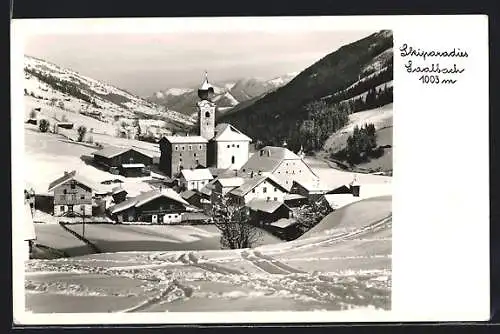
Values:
[(182, 152), (195, 179), (262, 187), (72, 194), (156, 206), (282, 163)]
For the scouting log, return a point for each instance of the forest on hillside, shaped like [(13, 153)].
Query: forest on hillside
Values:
[(307, 110)]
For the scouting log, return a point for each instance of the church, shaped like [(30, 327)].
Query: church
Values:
[(222, 146)]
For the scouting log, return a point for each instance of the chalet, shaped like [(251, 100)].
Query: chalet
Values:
[(265, 187), (222, 186), (182, 152), (265, 212), (281, 162), (195, 179), (72, 194), (286, 228), (156, 206), (129, 161)]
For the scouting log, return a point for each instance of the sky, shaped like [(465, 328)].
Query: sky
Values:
[(147, 63)]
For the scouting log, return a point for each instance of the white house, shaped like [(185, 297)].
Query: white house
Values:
[(229, 147), (264, 187), (281, 162), (195, 179)]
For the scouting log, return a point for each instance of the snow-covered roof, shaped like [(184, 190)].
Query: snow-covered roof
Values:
[(227, 132), (284, 223), (185, 139), (264, 205), (337, 201), (196, 174), (111, 151), (253, 182), (133, 165), (73, 176), (290, 197), (146, 198), (231, 181)]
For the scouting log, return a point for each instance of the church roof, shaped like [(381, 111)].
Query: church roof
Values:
[(185, 139), (227, 132)]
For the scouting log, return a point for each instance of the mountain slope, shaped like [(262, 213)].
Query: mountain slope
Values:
[(79, 93), (228, 95), (348, 73)]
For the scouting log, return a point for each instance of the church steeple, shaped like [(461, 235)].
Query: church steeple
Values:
[(206, 90), (206, 109)]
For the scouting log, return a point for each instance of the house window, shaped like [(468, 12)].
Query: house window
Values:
[(180, 159), (190, 147), (238, 145), (176, 147), (268, 198), (65, 191), (276, 198), (180, 154), (197, 162), (233, 145), (200, 147), (82, 197), (207, 115), (61, 208), (232, 159), (82, 208), (194, 154), (275, 190), (73, 186), (264, 190), (228, 146)]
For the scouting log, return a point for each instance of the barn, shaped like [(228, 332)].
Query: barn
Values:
[(129, 161)]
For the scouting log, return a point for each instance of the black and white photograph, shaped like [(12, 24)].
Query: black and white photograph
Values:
[(207, 170)]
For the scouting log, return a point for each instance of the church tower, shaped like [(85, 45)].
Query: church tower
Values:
[(206, 109)]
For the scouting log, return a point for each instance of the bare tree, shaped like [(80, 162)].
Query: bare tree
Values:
[(309, 215), (233, 222)]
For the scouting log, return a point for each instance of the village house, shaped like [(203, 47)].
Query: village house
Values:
[(310, 190), (195, 179), (281, 162), (156, 206), (129, 162), (182, 152), (267, 211), (222, 186), (265, 187), (72, 195)]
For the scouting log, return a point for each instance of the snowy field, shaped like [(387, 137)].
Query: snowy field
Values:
[(380, 117), (345, 264)]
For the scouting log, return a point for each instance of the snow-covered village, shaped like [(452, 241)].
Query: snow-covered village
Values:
[(274, 194)]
